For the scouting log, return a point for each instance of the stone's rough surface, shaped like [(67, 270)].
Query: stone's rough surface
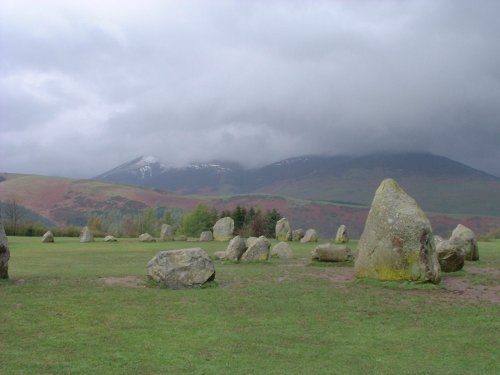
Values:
[(258, 251), (249, 241), (297, 234), (438, 239), (397, 242), (110, 239), (220, 255), (451, 254), (4, 254), (179, 269), (86, 236), (471, 248), (223, 229), (146, 237), (310, 236), (235, 249), (166, 233), (282, 250), (332, 253), (48, 237), (283, 231), (206, 236), (342, 236)]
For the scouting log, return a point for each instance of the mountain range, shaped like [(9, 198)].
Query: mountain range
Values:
[(438, 183)]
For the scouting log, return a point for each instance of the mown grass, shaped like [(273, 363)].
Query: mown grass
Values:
[(281, 317)]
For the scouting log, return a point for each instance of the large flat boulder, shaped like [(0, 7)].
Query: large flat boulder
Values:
[(180, 269), (397, 242), (332, 253), (4, 254)]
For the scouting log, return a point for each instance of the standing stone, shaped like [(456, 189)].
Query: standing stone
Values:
[(310, 236), (259, 251), (110, 238), (179, 269), (342, 236), (206, 236), (166, 232), (4, 254), (451, 254), (235, 249), (332, 253), (466, 234), (397, 242), (250, 240), (223, 229), (48, 237), (282, 250), (283, 231), (146, 237), (297, 234), (86, 236)]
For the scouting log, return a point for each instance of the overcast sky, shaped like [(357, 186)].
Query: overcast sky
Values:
[(87, 85)]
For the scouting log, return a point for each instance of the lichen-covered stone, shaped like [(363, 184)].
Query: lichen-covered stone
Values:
[(146, 237), (48, 237), (310, 236), (341, 236), (282, 250), (235, 249), (223, 229), (4, 254), (183, 268), (283, 230), (332, 253), (466, 234), (451, 254), (86, 235), (397, 241), (297, 234), (250, 240), (258, 251), (166, 232), (110, 238)]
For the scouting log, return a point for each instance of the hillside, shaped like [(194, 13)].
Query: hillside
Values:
[(66, 201), (439, 184)]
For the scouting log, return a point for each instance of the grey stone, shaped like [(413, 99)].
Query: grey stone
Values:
[(220, 255), (146, 237), (223, 229), (332, 253), (235, 249), (250, 240), (86, 235), (282, 250), (283, 231), (183, 268), (166, 232), (4, 254), (397, 242), (258, 251), (297, 234), (310, 236), (342, 236), (206, 236), (466, 234), (48, 237), (451, 254), (110, 238)]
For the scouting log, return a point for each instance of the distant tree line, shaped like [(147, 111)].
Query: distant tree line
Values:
[(252, 221)]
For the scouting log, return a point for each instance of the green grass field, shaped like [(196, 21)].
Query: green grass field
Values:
[(59, 316)]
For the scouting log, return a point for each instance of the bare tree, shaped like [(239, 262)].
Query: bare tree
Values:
[(12, 215)]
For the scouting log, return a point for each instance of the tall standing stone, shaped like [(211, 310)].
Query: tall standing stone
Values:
[(283, 230), (223, 229), (342, 236), (86, 235), (397, 242), (166, 232), (466, 234), (4, 254), (235, 249)]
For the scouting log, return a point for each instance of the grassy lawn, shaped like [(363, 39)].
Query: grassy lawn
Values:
[(58, 316)]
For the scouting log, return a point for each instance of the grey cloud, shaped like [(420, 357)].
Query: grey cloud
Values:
[(195, 80)]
